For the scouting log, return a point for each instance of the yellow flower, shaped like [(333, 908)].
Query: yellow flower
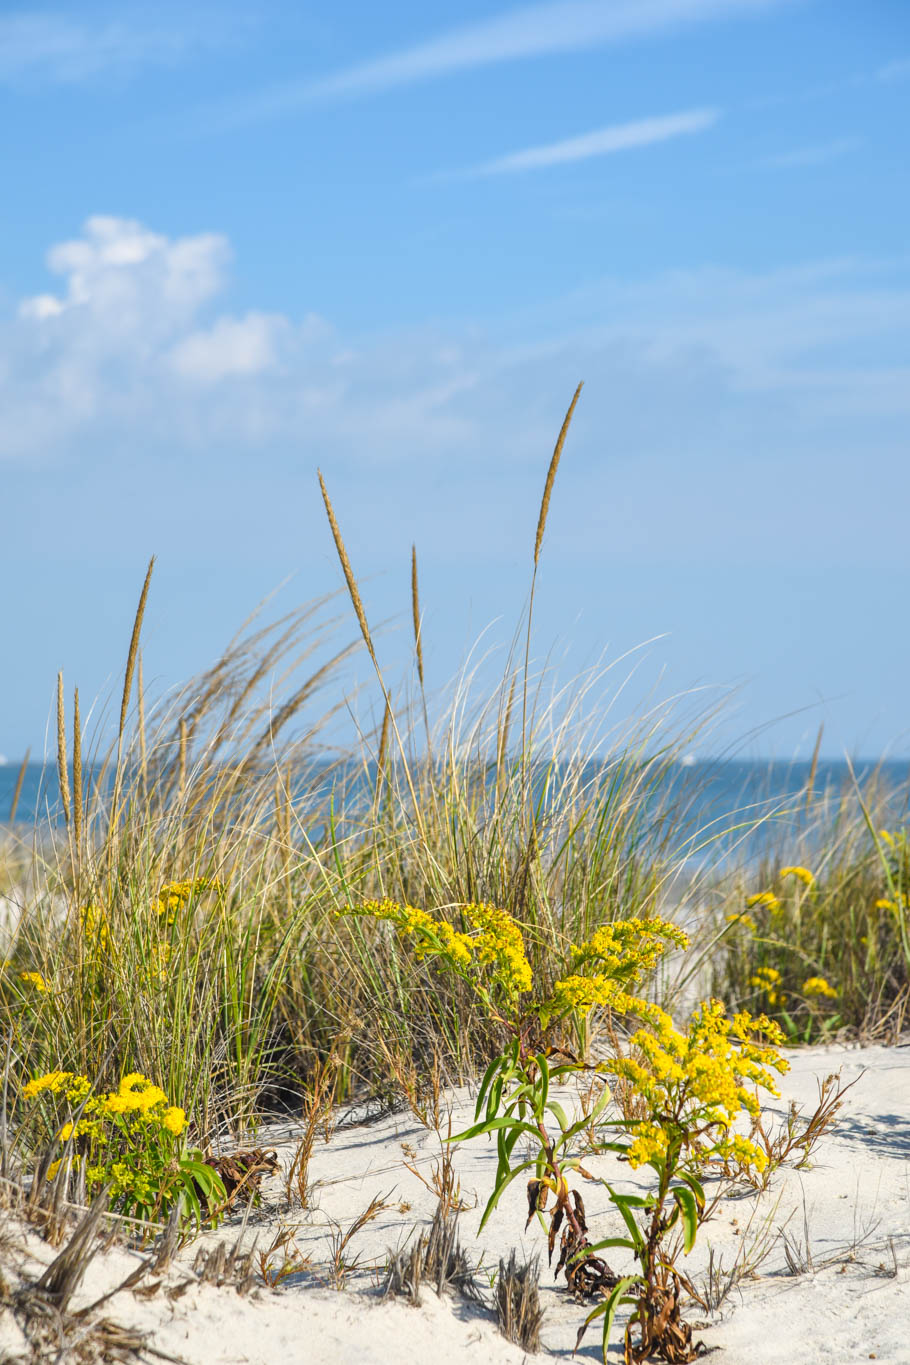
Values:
[(745, 920), (34, 979), (174, 1119), (817, 985), (802, 873), (93, 922), (885, 904), (765, 976), (887, 836), (500, 944), (764, 898), (650, 1143), (173, 896), (54, 1081)]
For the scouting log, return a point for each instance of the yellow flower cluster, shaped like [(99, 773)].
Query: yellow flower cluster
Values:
[(743, 1151), (817, 985), (622, 953), (767, 979), (136, 1095), (707, 1076), (801, 873), (629, 948), (34, 979), (175, 895), (764, 899), (496, 944), (94, 925), (650, 1144), (745, 920), (57, 1082), (499, 943)]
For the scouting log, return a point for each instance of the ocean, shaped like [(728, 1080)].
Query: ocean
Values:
[(702, 797)]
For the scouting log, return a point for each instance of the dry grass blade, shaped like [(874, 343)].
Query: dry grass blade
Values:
[(551, 475), (346, 569), (63, 1276), (317, 1113), (813, 767), (292, 1262), (341, 1267), (63, 776), (503, 738), (415, 611), (181, 761), (17, 790), (140, 710)]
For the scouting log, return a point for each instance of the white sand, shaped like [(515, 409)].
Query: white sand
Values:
[(848, 1306)]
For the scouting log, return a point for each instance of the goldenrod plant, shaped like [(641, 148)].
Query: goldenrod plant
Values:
[(691, 1088), (129, 1140)]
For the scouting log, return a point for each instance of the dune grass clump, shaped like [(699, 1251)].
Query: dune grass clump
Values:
[(827, 947), (187, 915)]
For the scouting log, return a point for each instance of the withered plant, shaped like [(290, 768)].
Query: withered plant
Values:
[(341, 1264), (517, 1296), (292, 1260), (435, 1257)]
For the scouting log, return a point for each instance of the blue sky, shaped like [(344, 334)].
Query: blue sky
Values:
[(388, 241)]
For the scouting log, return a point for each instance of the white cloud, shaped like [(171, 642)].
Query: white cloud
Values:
[(231, 347), (50, 47), (527, 32), (135, 349), (618, 137), (126, 277), (818, 155), (41, 306)]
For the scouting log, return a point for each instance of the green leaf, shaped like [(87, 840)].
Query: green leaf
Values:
[(694, 1185), (607, 1310), (487, 1081), (492, 1125), (688, 1207), (543, 1088), (605, 1246), (560, 1114), (497, 1193), (625, 1203), (588, 1119), (494, 1099)]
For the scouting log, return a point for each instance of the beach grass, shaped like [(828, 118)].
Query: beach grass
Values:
[(182, 918)]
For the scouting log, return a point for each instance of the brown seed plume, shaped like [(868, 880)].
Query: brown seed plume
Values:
[(551, 476), (415, 610), (813, 767), (63, 776), (383, 747), (77, 772), (134, 648), (346, 568)]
